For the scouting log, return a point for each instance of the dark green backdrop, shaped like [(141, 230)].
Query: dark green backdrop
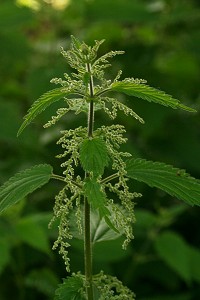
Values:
[(162, 44)]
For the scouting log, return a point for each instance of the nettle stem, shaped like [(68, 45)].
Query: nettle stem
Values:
[(88, 251), (87, 209), (91, 103)]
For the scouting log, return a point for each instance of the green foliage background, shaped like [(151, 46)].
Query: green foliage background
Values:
[(161, 41)]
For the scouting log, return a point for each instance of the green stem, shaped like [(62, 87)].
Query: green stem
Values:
[(109, 178), (87, 208), (58, 177), (61, 178), (91, 104), (88, 251), (102, 92)]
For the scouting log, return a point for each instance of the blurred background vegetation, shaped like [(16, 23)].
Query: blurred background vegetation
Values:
[(161, 39)]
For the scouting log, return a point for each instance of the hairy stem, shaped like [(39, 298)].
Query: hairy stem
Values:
[(87, 209), (91, 104)]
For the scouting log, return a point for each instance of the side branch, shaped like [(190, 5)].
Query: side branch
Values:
[(102, 92), (61, 178), (109, 178)]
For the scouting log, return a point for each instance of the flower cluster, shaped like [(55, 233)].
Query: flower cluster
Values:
[(69, 197), (111, 288), (123, 215)]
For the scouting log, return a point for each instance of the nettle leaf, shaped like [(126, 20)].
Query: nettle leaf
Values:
[(23, 183), (100, 231), (95, 196), (148, 93), (72, 288), (173, 181), (41, 104), (97, 199), (94, 155)]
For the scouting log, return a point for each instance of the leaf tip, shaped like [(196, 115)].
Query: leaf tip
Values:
[(187, 108), (19, 131)]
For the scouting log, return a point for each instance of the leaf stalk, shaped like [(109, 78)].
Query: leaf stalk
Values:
[(109, 178), (61, 178)]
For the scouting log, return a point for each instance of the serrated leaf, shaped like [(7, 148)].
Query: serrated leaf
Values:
[(173, 181), (175, 252), (94, 155), (71, 289), (97, 199), (95, 196), (41, 104), (22, 184), (148, 93)]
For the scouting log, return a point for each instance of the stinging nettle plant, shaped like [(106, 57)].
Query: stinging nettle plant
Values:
[(106, 169)]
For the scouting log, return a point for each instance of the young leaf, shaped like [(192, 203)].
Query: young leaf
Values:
[(71, 289), (95, 196), (173, 181), (98, 200), (148, 93), (41, 104), (94, 155), (23, 183)]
